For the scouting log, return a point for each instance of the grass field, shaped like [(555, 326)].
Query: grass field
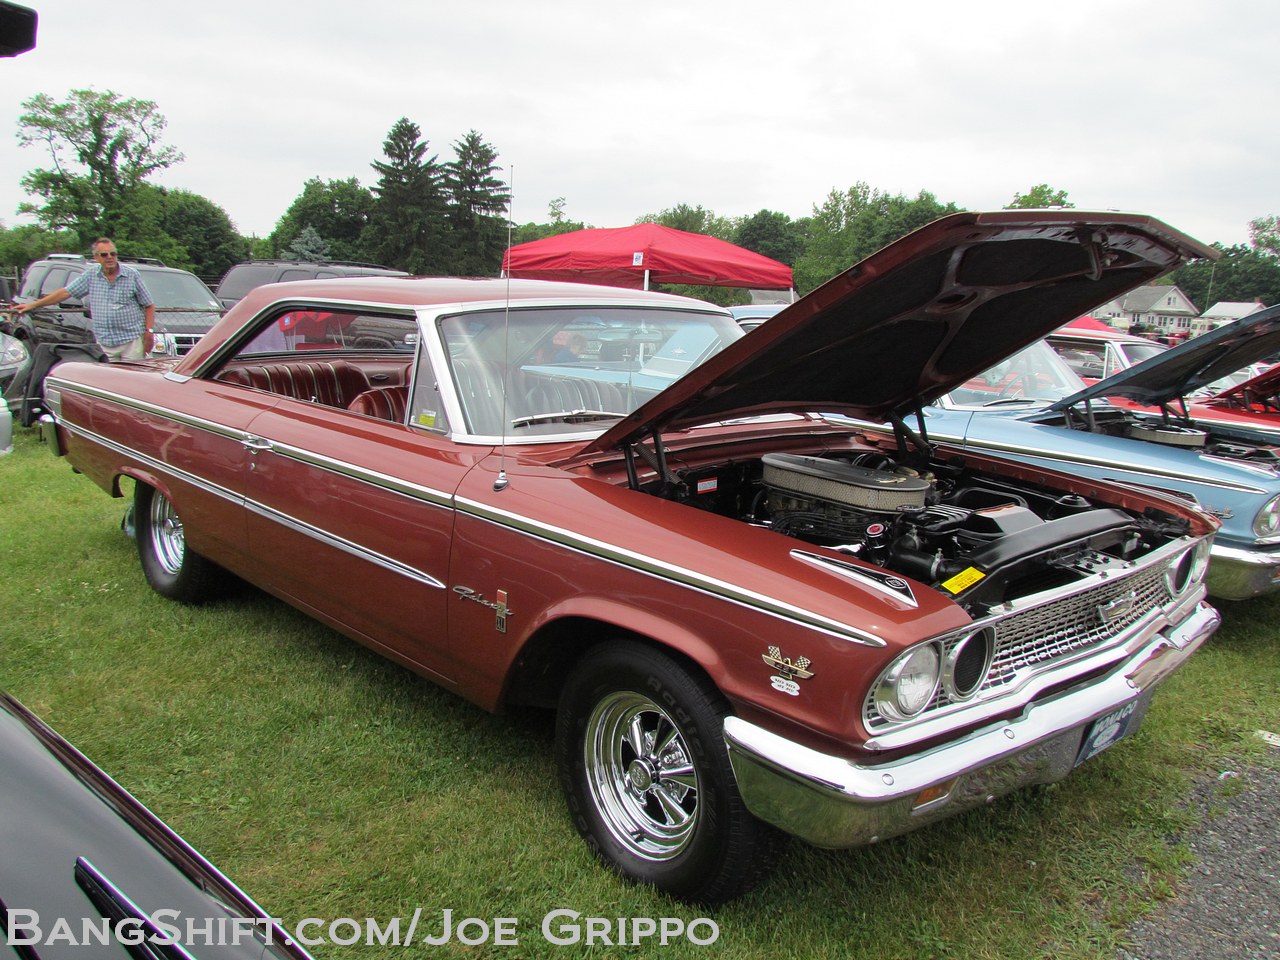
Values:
[(329, 783)]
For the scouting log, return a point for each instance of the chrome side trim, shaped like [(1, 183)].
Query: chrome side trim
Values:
[(159, 466), (167, 413), (346, 546), (1058, 458), (413, 491), (662, 570)]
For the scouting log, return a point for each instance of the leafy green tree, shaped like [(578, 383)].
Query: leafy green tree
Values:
[(1038, 197), (852, 225), (307, 245), (338, 211), (204, 231), (1264, 234), (1243, 274), (103, 147), (477, 201), (407, 225), (557, 223), (21, 245), (692, 220), (773, 235)]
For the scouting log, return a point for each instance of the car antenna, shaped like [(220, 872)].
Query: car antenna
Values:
[(501, 483)]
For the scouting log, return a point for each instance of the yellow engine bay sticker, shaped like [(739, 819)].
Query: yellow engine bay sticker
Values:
[(963, 580)]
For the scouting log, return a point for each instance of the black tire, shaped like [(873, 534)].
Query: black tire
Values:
[(646, 775), (173, 570)]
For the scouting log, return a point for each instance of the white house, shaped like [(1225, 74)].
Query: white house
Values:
[(1163, 309)]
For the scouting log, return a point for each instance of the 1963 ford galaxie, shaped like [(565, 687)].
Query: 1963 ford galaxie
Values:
[(750, 619)]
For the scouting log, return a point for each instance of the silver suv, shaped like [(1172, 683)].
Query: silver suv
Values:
[(185, 307)]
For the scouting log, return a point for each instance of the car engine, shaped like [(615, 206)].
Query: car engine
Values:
[(980, 538)]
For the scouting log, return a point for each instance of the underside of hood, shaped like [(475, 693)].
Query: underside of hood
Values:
[(919, 317), (1191, 366)]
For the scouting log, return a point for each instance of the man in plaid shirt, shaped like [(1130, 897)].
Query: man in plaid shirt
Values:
[(123, 313)]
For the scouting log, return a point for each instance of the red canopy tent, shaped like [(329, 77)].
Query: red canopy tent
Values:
[(633, 256)]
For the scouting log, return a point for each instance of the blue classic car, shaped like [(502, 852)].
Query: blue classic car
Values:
[(1033, 408)]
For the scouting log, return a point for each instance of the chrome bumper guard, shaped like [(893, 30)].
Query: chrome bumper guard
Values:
[(47, 430), (1236, 574), (833, 802)]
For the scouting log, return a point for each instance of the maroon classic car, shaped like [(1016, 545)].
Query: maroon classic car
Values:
[(751, 621)]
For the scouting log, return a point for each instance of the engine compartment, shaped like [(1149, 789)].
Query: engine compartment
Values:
[(980, 538)]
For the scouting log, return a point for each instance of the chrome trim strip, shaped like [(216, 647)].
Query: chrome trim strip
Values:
[(299, 526), (667, 571), (1056, 458), (159, 466), (905, 595), (199, 423), (346, 546), (413, 491)]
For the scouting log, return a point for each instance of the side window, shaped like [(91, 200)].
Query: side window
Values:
[(31, 283), (425, 409), (55, 279), (296, 273), (338, 358)]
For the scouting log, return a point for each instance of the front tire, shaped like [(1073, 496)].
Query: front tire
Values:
[(646, 775), (171, 568)]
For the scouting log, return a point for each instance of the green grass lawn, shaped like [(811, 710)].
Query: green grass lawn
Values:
[(330, 783)]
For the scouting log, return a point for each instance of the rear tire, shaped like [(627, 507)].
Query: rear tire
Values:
[(172, 569), (646, 776)]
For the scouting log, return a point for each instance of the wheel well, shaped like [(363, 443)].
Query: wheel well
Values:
[(547, 659)]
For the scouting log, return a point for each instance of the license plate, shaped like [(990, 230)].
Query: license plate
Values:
[(1106, 730)]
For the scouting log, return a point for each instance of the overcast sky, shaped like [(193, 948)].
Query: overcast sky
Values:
[(1167, 108)]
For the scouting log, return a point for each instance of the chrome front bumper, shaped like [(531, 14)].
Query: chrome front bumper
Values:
[(1236, 574), (833, 802)]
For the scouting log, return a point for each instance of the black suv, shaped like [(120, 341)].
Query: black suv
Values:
[(243, 277), (185, 307)]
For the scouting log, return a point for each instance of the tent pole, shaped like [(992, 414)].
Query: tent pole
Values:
[(646, 279)]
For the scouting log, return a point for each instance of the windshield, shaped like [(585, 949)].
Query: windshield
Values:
[(559, 370), (182, 291), (1033, 375)]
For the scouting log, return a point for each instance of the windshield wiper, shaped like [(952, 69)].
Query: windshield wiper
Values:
[(566, 416), (1004, 401)]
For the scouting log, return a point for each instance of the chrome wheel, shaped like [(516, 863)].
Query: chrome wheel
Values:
[(167, 540), (641, 777)]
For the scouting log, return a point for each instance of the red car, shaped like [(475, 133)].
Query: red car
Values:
[(750, 620), (1245, 398)]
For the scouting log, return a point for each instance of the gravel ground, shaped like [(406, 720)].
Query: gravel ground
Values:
[(1229, 905)]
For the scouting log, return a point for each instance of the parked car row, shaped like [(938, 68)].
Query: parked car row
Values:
[(185, 307), (752, 617)]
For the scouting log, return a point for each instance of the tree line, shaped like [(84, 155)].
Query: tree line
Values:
[(448, 217)]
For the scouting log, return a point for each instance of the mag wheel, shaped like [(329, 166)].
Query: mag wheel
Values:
[(647, 777), (170, 567)]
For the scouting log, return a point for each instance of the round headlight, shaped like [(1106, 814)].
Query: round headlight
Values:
[(1189, 569), (907, 687), (1267, 523), (163, 345), (968, 663)]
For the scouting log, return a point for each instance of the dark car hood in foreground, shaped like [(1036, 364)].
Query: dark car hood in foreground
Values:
[(1191, 366), (920, 316), (57, 808)]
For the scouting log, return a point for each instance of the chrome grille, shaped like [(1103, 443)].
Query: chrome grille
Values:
[(1039, 637)]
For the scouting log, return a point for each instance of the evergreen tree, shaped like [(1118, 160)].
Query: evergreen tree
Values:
[(407, 225), (307, 245), (478, 199)]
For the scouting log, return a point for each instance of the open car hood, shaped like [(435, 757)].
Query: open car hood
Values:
[(1191, 366), (919, 317)]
